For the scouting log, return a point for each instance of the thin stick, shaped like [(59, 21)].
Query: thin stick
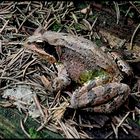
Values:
[(28, 66), (4, 26), (134, 7), (117, 11), (131, 47), (22, 127), (38, 105), (123, 119), (26, 18)]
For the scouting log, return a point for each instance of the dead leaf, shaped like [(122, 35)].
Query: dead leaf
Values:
[(22, 97)]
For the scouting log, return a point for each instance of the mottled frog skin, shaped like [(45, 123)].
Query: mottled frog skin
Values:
[(95, 70)]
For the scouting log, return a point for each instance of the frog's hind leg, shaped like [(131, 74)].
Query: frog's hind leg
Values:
[(104, 98), (110, 106)]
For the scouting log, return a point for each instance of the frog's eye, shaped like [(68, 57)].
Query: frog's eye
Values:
[(29, 43), (40, 43)]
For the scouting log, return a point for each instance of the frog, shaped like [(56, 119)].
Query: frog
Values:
[(98, 73)]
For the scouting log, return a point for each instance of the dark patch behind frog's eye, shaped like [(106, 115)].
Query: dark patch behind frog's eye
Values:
[(50, 49)]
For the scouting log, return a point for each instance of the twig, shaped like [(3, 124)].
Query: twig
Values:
[(25, 132), (128, 11), (42, 125), (56, 97), (117, 127), (15, 58), (28, 66), (131, 47), (4, 26), (38, 106), (117, 11), (26, 18), (12, 43), (109, 135), (123, 119), (134, 7), (115, 130), (9, 78), (68, 135)]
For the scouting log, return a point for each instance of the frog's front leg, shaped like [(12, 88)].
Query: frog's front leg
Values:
[(62, 79), (104, 98)]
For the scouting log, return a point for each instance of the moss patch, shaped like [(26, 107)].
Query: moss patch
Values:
[(91, 75)]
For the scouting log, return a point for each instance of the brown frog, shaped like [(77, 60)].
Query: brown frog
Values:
[(94, 69)]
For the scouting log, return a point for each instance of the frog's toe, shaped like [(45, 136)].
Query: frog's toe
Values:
[(110, 95), (60, 83)]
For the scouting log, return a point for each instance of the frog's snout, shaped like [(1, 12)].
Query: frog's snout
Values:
[(60, 83)]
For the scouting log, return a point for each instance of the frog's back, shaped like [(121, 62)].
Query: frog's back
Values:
[(81, 53)]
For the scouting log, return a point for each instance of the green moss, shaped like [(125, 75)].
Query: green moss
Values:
[(91, 75), (56, 26), (33, 133), (98, 42), (79, 27)]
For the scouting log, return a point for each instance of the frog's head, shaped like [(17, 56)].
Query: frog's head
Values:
[(40, 46), (44, 44), (36, 37)]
